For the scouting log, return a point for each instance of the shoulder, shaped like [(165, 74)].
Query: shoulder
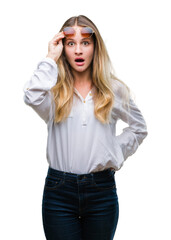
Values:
[(120, 89)]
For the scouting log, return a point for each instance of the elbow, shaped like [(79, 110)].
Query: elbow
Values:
[(29, 101), (145, 133), (28, 97), (34, 98), (142, 131), (141, 135)]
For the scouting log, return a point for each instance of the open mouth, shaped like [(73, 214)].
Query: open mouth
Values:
[(79, 60)]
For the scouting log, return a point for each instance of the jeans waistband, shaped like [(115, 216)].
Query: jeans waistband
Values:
[(101, 174)]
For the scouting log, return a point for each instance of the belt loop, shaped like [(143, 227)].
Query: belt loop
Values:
[(92, 175), (64, 175)]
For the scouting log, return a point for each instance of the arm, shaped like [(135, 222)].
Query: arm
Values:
[(133, 135), (37, 90)]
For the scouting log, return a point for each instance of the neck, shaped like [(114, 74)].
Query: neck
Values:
[(82, 78)]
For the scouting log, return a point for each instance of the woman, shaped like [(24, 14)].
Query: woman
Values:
[(75, 91)]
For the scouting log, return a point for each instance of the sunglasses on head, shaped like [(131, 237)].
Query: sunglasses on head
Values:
[(86, 32)]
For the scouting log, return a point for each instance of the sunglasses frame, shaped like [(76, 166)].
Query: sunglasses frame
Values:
[(83, 34)]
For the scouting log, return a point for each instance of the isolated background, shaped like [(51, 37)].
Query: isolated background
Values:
[(137, 36)]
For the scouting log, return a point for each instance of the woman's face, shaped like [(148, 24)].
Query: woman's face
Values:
[(79, 47)]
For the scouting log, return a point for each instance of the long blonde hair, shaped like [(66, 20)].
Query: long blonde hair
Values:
[(102, 77)]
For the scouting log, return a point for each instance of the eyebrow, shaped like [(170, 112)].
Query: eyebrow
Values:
[(74, 39), (86, 38), (69, 39)]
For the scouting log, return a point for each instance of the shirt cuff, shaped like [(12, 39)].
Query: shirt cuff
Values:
[(49, 60)]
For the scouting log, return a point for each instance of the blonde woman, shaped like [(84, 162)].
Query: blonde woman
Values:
[(75, 91)]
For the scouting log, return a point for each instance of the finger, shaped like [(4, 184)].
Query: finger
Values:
[(59, 35), (60, 42), (57, 39)]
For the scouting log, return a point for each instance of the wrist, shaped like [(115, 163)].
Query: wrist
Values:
[(52, 56)]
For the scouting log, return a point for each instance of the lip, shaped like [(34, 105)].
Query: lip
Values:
[(79, 63)]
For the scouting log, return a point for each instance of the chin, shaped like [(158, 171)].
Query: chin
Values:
[(81, 68)]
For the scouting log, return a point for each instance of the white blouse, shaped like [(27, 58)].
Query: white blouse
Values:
[(82, 144)]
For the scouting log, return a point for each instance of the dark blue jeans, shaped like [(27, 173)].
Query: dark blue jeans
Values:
[(80, 206)]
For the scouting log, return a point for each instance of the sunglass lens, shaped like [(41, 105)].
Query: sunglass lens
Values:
[(86, 32), (69, 31)]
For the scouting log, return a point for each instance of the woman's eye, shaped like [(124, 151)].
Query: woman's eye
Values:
[(71, 43), (85, 43)]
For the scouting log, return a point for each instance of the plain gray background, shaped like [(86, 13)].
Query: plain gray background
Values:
[(137, 36)]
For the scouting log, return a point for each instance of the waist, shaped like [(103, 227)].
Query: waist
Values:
[(73, 176)]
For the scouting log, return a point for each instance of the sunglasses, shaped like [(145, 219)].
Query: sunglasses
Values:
[(86, 32)]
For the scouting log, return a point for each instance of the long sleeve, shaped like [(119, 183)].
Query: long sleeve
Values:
[(37, 89), (133, 135)]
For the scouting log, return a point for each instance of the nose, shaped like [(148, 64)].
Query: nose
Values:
[(78, 49)]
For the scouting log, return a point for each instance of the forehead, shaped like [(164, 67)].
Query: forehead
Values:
[(77, 30), (77, 27)]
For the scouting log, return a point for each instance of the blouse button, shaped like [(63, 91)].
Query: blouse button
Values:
[(84, 101), (90, 94)]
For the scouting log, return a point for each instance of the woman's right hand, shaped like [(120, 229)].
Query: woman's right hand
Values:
[(55, 46)]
